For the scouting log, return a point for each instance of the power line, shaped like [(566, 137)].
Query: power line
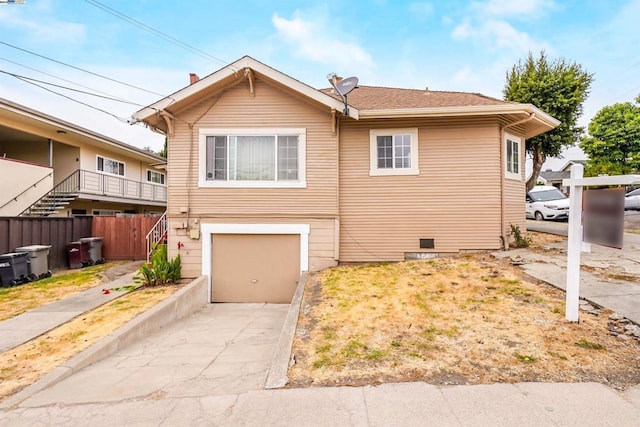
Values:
[(82, 69), (152, 30), (121, 119), (58, 77), (24, 78)]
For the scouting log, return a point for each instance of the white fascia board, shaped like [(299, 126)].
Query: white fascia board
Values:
[(238, 67), (475, 110), (603, 180)]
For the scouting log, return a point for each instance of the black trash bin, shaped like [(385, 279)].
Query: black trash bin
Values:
[(14, 269), (95, 249), (78, 254)]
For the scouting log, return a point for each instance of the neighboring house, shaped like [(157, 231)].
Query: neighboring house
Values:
[(49, 167), (551, 177), (269, 177)]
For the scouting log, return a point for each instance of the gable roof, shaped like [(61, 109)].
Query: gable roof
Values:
[(52, 127), (368, 102), (550, 176)]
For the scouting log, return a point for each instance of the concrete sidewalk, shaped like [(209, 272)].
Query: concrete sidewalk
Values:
[(620, 292), (31, 324)]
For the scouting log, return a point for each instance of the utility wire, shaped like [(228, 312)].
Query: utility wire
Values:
[(24, 78), (82, 69), (152, 30), (121, 119), (59, 78)]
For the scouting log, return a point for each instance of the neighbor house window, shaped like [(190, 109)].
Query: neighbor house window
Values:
[(512, 156), (155, 177), (252, 157), (394, 151), (110, 166)]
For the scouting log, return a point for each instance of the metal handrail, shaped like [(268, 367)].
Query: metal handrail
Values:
[(66, 186), (157, 233), (15, 199), (105, 184)]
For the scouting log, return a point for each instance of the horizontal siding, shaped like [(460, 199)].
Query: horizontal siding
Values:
[(321, 240), (455, 199), (271, 107)]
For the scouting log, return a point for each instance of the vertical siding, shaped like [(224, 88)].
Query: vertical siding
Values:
[(455, 199), (271, 107)]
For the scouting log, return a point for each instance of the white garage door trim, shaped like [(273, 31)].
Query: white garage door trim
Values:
[(208, 230)]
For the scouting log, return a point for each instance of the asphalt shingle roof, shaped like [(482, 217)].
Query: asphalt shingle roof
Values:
[(382, 98)]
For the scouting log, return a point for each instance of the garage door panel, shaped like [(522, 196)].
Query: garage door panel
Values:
[(254, 267)]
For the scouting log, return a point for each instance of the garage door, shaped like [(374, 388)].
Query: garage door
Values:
[(254, 267)]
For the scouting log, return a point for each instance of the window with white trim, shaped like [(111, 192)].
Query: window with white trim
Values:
[(155, 177), (110, 166), (393, 151), (252, 157), (513, 145)]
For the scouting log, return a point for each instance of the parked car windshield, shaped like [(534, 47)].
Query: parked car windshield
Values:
[(547, 195), (634, 193)]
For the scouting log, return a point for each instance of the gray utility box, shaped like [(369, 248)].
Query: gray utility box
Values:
[(38, 260), (95, 249)]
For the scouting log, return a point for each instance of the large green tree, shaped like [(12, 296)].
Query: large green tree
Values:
[(613, 143), (556, 87)]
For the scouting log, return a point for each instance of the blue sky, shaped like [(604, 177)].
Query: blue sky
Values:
[(444, 45)]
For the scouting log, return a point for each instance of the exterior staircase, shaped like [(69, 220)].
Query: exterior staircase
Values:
[(56, 199)]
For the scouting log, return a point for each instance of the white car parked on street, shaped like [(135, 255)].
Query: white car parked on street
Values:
[(632, 200), (547, 202)]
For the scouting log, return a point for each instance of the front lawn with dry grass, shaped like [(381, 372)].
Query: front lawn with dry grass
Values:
[(470, 319)]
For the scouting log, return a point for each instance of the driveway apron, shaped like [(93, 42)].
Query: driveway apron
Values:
[(221, 349)]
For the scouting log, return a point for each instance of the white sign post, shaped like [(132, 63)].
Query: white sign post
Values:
[(574, 239)]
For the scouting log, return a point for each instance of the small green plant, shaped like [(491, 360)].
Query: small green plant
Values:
[(519, 240), (160, 271), (583, 343), (525, 358)]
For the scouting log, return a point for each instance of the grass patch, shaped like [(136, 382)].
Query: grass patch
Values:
[(526, 359), (25, 297), (583, 343)]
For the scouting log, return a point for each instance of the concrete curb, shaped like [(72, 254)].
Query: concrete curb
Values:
[(277, 376), (179, 305)]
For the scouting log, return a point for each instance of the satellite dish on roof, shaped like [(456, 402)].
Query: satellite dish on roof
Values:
[(342, 87), (345, 86)]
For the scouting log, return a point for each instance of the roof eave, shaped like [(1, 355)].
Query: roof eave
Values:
[(233, 68), (72, 128)]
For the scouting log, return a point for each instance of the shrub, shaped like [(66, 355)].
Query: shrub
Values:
[(519, 240), (160, 271)]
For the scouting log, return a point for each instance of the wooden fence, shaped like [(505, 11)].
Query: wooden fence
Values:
[(57, 232), (124, 237)]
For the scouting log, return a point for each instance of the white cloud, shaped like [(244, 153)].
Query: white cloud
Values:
[(319, 43), (40, 26), (526, 8), (499, 34)]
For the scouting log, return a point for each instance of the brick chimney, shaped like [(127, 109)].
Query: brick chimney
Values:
[(193, 77)]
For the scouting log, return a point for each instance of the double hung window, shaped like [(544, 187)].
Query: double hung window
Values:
[(512, 156), (394, 152)]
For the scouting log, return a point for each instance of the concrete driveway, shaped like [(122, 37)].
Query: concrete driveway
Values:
[(221, 349)]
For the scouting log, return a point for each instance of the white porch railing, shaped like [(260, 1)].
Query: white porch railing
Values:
[(157, 234)]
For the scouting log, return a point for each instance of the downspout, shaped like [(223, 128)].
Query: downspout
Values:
[(503, 210), (50, 153)]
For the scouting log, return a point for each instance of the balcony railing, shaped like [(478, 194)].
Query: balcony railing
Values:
[(114, 186)]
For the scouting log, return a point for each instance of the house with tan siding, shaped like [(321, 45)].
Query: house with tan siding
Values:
[(269, 177)]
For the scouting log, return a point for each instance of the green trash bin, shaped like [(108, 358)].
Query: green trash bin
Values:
[(38, 260)]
